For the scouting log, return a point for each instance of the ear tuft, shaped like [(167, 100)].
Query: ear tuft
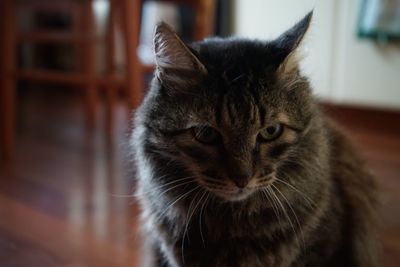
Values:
[(174, 60), (288, 42), (291, 39)]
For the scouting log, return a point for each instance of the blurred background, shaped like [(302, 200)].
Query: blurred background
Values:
[(73, 71)]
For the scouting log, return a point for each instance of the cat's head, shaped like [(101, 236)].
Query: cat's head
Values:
[(231, 112)]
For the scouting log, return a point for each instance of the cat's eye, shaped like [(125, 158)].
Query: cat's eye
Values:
[(271, 132), (206, 134)]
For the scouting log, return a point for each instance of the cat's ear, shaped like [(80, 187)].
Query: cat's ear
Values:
[(177, 66), (287, 43)]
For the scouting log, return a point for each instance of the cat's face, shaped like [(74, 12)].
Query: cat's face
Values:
[(231, 112), (234, 147)]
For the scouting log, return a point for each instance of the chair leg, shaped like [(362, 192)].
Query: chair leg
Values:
[(110, 106), (8, 120), (110, 53), (130, 14), (90, 65), (7, 82), (204, 20), (91, 98)]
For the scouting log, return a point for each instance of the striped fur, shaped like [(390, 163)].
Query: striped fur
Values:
[(309, 202)]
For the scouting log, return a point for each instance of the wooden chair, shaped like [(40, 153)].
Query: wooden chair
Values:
[(124, 14), (7, 65), (81, 35), (204, 11)]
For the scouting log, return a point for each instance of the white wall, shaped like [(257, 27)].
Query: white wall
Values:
[(367, 73), (342, 68)]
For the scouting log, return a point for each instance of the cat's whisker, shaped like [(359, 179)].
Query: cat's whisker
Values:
[(264, 179), (175, 201), (171, 159), (165, 190), (304, 165), (274, 202), (294, 213), (156, 188), (188, 215), (279, 212), (309, 200), (190, 207), (200, 218), (175, 186), (270, 199), (285, 213), (173, 182), (262, 185), (167, 165), (188, 218)]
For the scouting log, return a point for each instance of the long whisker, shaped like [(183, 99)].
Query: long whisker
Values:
[(270, 199), (171, 182), (305, 165), (175, 183), (200, 218), (175, 186), (294, 213), (284, 212), (310, 202), (156, 188), (175, 201), (188, 218)]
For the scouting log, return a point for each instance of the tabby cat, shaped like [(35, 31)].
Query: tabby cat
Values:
[(238, 166)]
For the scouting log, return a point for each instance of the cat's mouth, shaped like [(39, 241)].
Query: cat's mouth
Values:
[(239, 194), (230, 192)]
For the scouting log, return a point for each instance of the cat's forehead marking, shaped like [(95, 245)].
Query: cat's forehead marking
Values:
[(239, 112)]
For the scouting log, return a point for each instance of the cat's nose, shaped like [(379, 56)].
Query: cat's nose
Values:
[(241, 181)]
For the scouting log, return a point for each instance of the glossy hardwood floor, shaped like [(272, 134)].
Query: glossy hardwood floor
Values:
[(66, 200)]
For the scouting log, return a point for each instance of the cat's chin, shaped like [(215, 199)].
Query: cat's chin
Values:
[(235, 196)]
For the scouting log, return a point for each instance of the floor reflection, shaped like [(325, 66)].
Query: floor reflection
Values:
[(67, 200)]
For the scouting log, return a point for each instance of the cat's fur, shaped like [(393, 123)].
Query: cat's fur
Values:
[(312, 201)]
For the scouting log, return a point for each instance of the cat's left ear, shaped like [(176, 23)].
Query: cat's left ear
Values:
[(177, 66), (287, 43)]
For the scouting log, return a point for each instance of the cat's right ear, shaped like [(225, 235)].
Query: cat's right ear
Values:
[(177, 67), (287, 43)]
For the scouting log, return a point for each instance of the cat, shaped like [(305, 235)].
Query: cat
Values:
[(237, 166)]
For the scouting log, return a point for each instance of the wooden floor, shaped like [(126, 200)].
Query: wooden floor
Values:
[(66, 202)]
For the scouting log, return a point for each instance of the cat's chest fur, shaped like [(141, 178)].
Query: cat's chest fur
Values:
[(229, 241)]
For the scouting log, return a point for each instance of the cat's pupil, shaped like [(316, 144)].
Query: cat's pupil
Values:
[(207, 133), (271, 130)]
